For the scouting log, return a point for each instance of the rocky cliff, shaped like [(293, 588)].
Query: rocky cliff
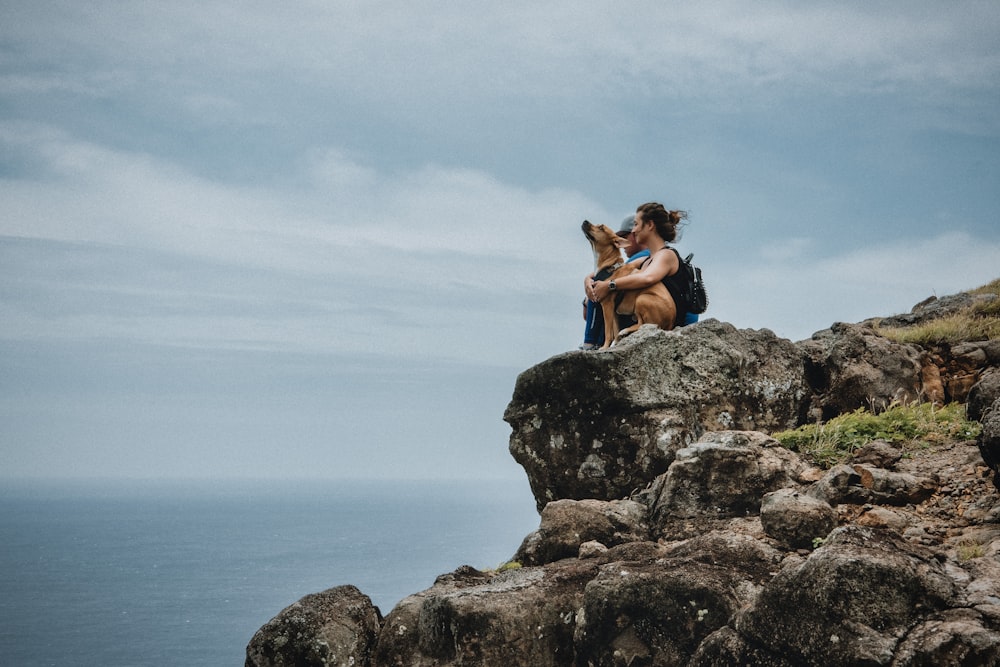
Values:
[(675, 530)]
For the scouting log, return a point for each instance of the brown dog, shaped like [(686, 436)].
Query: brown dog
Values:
[(652, 305)]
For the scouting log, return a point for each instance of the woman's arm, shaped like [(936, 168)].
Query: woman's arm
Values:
[(661, 265)]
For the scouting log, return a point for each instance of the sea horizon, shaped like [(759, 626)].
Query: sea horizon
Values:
[(184, 571)]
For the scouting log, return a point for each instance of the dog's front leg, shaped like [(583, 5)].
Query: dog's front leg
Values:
[(610, 320)]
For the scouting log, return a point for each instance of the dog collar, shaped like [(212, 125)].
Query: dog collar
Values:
[(604, 273)]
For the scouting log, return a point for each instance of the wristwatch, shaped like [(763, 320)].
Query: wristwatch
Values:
[(612, 286)]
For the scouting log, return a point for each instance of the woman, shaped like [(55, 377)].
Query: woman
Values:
[(654, 228)]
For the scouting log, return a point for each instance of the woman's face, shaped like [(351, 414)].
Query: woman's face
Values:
[(639, 229)]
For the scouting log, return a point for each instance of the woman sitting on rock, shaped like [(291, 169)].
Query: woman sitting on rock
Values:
[(654, 228)]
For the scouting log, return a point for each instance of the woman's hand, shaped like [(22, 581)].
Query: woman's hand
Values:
[(598, 290)]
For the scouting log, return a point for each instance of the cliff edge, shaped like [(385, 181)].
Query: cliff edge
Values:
[(677, 529)]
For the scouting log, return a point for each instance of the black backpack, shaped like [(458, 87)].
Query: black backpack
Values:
[(687, 286)]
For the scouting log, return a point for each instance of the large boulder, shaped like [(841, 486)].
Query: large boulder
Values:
[(724, 474), (989, 440), (983, 394), (796, 519), (335, 628), (862, 484), (850, 366), (953, 637), (655, 608), (567, 524), (725, 647), (602, 424), (520, 616), (655, 612), (850, 601)]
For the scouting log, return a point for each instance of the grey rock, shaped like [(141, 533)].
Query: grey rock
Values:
[(726, 648), (883, 517), (603, 424), (952, 638), (850, 366), (848, 603), (861, 484), (592, 549), (523, 616), (654, 612), (336, 628), (724, 474), (878, 453), (567, 524), (796, 519), (840, 484), (755, 560), (983, 394), (658, 606), (988, 440), (895, 488)]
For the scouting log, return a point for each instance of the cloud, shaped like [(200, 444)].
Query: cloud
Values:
[(346, 190), (423, 259), (88, 192), (395, 50)]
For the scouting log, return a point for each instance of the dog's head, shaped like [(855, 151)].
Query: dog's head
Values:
[(602, 238)]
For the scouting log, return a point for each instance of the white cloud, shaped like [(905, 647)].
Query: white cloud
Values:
[(430, 259), (368, 180), (96, 194), (394, 51)]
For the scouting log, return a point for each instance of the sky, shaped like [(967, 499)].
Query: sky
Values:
[(321, 239)]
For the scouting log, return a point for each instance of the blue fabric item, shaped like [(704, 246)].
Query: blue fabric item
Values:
[(593, 333)]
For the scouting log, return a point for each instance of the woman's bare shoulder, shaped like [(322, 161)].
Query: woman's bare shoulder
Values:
[(659, 264)]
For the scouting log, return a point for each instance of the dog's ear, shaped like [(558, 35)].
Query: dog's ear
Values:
[(620, 242)]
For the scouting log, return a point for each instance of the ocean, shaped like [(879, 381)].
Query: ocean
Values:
[(169, 573)]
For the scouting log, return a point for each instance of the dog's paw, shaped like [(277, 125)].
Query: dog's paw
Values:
[(625, 333)]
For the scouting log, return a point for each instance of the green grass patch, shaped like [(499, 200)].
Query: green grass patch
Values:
[(910, 426), (502, 567)]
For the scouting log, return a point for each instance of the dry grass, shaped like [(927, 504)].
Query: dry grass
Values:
[(977, 322), (991, 309), (969, 549), (951, 329)]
